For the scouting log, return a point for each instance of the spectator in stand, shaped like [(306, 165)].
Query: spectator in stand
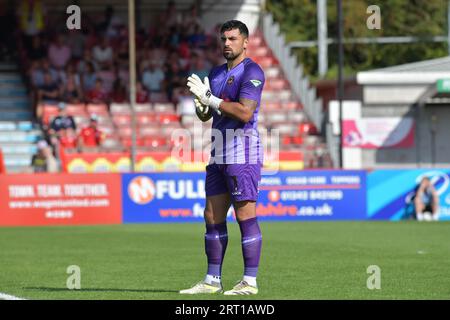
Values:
[(69, 72), (59, 53), (122, 53), (103, 53), (142, 95), (71, 92), (98, 94), (31, 17), (38, 49), (49, 90), (111, 24), (38, 70), (171, 17), (119, 92), (197, 66), (198, 38), (191, 19), (90, 137), (68, 140), (76, 41), (175, 78), (153, 78), (88, 59), (174, 37), (183, 63), (62, 120), (122, 72), (43, 160), (89, 77), (144, 57), (108, 77)]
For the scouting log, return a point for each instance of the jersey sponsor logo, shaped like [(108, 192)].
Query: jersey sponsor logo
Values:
[(142, 190), (256, 83)]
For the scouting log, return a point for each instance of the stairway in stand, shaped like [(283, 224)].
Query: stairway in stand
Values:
[(18, 132)]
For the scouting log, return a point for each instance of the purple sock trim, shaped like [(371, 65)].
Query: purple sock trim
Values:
[(214, 269), (251, 272)]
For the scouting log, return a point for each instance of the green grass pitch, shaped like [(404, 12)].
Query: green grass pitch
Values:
[(300, 260)]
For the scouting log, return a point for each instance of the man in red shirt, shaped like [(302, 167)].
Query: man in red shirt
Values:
[(68, 139), (98, 94), (90, 137)]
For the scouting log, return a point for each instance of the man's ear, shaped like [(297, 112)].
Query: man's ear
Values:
[(245, 43)]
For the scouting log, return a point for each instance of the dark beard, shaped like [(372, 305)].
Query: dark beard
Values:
[(229, 56)]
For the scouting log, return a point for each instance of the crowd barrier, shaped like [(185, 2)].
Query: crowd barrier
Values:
[(113, 198)]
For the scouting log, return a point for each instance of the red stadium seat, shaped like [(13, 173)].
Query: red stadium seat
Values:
[(155, 141), (164, 107), (125, 131), (149, 131), (146, 119), (270, 106), (165, 118), (76, 109), (143, 107), (97, 109), (122, 119), (120, 108), (292, 105), (128, 142)]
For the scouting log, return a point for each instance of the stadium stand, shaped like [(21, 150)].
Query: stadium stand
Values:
[(18, 133), (88, 72)]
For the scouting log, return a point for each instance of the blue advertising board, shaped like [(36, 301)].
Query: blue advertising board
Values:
[(390, 192), (296, 195)]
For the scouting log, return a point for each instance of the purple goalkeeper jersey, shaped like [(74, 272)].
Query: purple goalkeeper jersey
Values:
[(234, 141)]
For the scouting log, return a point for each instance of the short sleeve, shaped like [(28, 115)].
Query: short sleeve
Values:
[(252, 83)]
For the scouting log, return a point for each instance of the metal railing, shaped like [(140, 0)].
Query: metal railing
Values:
[(292, 70)]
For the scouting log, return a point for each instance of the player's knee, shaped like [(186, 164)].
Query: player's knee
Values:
[(209, 216), (212, 218)]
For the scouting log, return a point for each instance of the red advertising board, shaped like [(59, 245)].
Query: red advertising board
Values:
[(60, 199)]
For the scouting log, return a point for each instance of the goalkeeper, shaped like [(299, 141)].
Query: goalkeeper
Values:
[(231, 96)]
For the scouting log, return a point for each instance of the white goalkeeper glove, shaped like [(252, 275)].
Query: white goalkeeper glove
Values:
[(203, 92), (201, 107)]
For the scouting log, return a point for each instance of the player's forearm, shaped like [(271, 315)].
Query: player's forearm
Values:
[(236, 111)]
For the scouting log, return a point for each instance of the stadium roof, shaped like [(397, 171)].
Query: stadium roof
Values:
[(416, 73)]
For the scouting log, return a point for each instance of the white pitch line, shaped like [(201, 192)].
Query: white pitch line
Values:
[(4, 296)]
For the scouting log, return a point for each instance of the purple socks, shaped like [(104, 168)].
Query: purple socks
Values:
[(216, 240), (251, 245)]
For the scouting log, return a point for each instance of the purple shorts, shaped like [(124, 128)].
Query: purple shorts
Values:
[(240, 181)]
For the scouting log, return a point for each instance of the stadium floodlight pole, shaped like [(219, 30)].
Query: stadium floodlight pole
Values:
[(340, 90), (448, 28), (132, 50), (322, 37)]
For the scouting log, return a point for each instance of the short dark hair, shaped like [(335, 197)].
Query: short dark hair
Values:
[(235, 24)]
